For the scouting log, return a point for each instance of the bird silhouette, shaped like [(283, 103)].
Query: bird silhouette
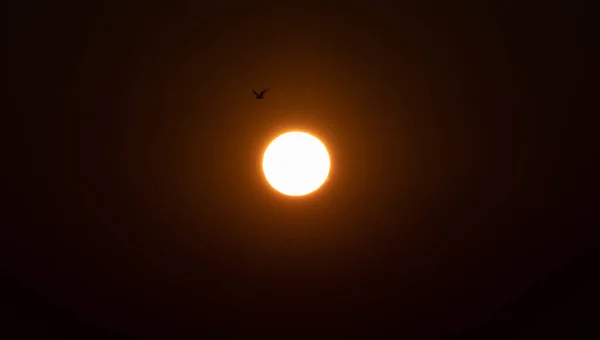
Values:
[(260, 95)]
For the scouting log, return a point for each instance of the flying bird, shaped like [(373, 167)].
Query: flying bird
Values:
[(260, 95)]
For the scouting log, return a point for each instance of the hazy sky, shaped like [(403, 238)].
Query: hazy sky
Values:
[(137, 187)]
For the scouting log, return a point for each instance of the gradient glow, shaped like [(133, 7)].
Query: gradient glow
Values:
[(296, 163)]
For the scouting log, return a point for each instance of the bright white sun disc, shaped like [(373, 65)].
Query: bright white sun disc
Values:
[(296, 163)]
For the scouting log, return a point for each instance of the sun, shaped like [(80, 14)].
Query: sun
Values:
[(296, 163)]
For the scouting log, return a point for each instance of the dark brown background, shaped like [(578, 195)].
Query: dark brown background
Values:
[(459, 202)]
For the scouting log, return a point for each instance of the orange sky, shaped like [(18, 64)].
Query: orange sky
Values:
[(137, 144)]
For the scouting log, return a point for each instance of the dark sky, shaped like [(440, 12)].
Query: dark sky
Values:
[(460, 200)]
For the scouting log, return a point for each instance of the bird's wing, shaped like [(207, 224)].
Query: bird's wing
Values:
[(263, 92), (256, 94)]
